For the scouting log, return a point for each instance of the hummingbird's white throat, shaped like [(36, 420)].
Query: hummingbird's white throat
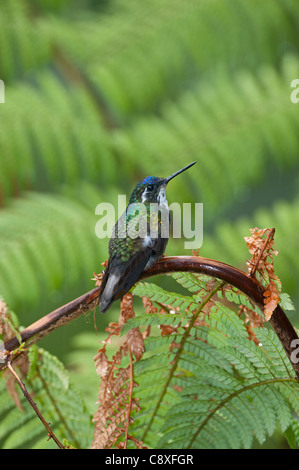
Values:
[(162, 201), (161, 197)]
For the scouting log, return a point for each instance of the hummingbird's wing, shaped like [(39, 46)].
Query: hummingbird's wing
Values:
[(120, 276)]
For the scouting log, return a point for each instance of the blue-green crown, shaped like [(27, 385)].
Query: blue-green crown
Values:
[(150, 180), (136, 195), (140, 187)]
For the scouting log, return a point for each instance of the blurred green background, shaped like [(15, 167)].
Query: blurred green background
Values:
[(100, 94)]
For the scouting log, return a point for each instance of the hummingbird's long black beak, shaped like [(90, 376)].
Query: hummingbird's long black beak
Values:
[(178, 172)]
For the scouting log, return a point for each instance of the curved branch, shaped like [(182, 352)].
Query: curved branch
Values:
[(59, 317), (249, 286)]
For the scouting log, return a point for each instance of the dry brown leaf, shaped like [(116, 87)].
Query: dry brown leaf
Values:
[(261, 246), (148, 305), (102, 362), (6, 329), (252, 335), (146, 332), (167, 329), (126, 307), (136, 343), (22, 364), (115, 399), (253, 318)]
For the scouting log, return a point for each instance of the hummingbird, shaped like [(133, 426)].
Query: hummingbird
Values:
[(138, 238)]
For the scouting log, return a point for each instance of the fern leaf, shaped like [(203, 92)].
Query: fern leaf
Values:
[(292, 434), (157, 294), (264, 409), (274, 349), (155, 319), (240, 362), (58, 402), (40, 251), (191, 282), (255, 355), (224, 320), (280, 405), (228, 389)]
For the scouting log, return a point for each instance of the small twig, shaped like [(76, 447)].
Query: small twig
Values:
[(29, 399)]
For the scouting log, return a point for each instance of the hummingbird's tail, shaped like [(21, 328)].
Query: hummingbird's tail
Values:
[(105, 304), (107, 297), (120, 276)]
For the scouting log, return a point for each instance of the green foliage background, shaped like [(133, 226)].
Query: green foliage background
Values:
[(100, 94)]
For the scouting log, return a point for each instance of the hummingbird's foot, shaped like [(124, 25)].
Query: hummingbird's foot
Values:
[(98, 277)]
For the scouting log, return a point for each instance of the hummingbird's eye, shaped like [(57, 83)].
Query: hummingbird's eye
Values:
[(150, 187)]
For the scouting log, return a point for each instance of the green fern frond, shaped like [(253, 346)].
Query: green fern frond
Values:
[(24, 47), (157, 294), (68, 141), (58, 402), (222, 150), (226, 389), (192, 282), (151, 319), (46, 242), (223, 320), (292, 434), (274, 349), (237, 297), (175, 30), (61, 144)]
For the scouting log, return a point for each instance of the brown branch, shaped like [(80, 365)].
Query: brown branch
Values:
[(249, 286), (31, 402), (59, 317)]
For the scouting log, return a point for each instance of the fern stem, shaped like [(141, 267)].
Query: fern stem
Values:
[(31, 402), (233, 395), (178, 355), (56, 408)]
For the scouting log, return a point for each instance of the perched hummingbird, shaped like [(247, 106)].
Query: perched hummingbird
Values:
[(138, 240)]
